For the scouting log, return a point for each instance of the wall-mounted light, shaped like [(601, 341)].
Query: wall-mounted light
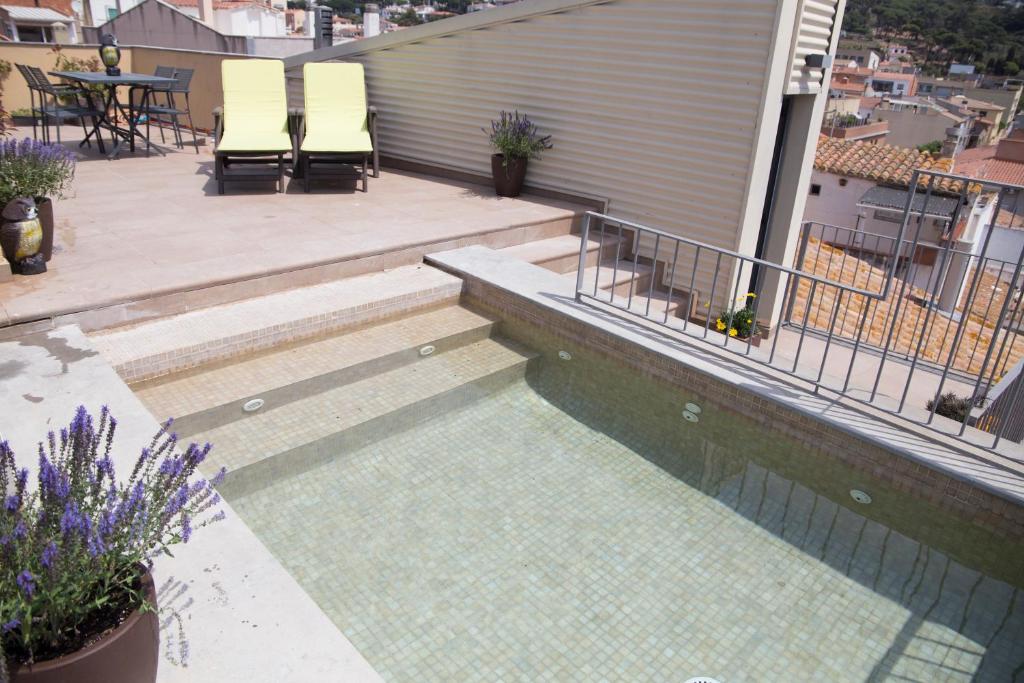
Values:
[(818, 60)]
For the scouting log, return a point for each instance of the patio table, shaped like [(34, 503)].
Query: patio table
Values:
[(112, 105)]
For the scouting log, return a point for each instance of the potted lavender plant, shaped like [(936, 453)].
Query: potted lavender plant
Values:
[(40, 172), (515, 141), (77, 601)]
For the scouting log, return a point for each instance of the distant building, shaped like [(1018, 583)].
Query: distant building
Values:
[(864, 56), (37, 25), (864, 187), (990, 119), (916, 121), (897, 52), (902, 85), (240, 17), (961, 69)]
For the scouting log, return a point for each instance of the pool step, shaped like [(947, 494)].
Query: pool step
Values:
[(187, 340), (213, 395), (303, 433), (562, 254)]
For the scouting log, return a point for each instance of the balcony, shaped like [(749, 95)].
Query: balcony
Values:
[(865, 132)]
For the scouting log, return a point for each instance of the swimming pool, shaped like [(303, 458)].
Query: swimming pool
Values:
[(568, 523)]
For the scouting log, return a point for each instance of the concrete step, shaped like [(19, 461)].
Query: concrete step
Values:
[(213, 395), (159, 347), (617, 277), (301, 434), (562, 254), (659, 305)]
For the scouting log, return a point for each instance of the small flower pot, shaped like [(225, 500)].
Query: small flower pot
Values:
[(508, 177), (127, 654)]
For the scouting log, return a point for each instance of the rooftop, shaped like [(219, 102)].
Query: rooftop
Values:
[(150, 246), (884, 164)]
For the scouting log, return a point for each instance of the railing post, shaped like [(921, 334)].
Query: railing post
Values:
[(799, 265), (584, 237)]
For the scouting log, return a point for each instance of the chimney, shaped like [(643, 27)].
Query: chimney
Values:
[(371, 20), (1010, 149), (206, 12)]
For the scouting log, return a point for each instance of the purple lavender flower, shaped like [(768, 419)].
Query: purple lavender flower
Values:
[(10, 625), (95, 545), (49, 554), (26, 582), (176, 501), (186, 528), (12, 502)]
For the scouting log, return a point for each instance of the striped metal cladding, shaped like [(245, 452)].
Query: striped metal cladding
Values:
[(653, 105), (816, 19)]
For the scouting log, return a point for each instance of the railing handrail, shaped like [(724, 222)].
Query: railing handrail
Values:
[(892, 238), (729, 252), (932, 319)]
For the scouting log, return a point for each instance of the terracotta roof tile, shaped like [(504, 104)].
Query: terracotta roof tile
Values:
[(981, 163), (885, 164)]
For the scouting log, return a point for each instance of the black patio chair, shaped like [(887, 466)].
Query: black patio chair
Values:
[(53, 106), (172, 107)]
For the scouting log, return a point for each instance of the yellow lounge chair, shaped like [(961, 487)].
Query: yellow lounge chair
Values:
[(338, 125), (254, 126)]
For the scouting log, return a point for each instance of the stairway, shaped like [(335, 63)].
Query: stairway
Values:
[(325, 396), (628, 280)]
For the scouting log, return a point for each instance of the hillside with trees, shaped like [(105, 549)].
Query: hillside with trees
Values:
[(986, 33)]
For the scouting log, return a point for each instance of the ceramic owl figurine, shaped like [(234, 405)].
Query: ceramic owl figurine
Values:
[(21, 236)]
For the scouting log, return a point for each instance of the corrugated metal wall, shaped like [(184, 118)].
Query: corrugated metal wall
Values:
[(813, 35), (652, 104)]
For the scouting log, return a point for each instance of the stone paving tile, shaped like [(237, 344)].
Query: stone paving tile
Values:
[(178, 342), (509, 541)]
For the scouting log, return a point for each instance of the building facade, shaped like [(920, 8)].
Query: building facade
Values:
[(631, 116)]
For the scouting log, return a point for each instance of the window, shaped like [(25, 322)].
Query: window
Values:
[(843, 182), (32, 34), (815, 190), (111, 12)]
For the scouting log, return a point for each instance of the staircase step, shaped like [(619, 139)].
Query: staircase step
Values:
[(304, 433), (617, 277), (159, 347), (212, 395), (659, 304), (562, 254)]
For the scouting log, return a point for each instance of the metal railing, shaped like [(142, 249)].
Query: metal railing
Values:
[(893, 321)]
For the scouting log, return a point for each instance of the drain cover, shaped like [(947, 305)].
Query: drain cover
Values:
[(860, 496), (253, 405), (427, 350), (701, 679), (690, 416), (565, 355)]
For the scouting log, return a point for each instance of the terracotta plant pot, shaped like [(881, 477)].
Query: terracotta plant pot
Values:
[(508, 178), (128, 654), (45, 208)]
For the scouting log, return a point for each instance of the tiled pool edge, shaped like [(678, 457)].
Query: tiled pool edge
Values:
[(510, 287)]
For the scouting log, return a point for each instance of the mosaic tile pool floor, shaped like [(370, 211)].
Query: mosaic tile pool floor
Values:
[(508, 541)]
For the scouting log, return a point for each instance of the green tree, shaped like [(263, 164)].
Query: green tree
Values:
[(933, 147), (1011, 68), (408, 18)]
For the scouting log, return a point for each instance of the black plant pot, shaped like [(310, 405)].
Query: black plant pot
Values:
[(508, 178)]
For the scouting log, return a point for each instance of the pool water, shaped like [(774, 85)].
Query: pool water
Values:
[(537, 534)]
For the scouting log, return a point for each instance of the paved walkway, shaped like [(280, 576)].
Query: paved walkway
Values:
[(138, 227)]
